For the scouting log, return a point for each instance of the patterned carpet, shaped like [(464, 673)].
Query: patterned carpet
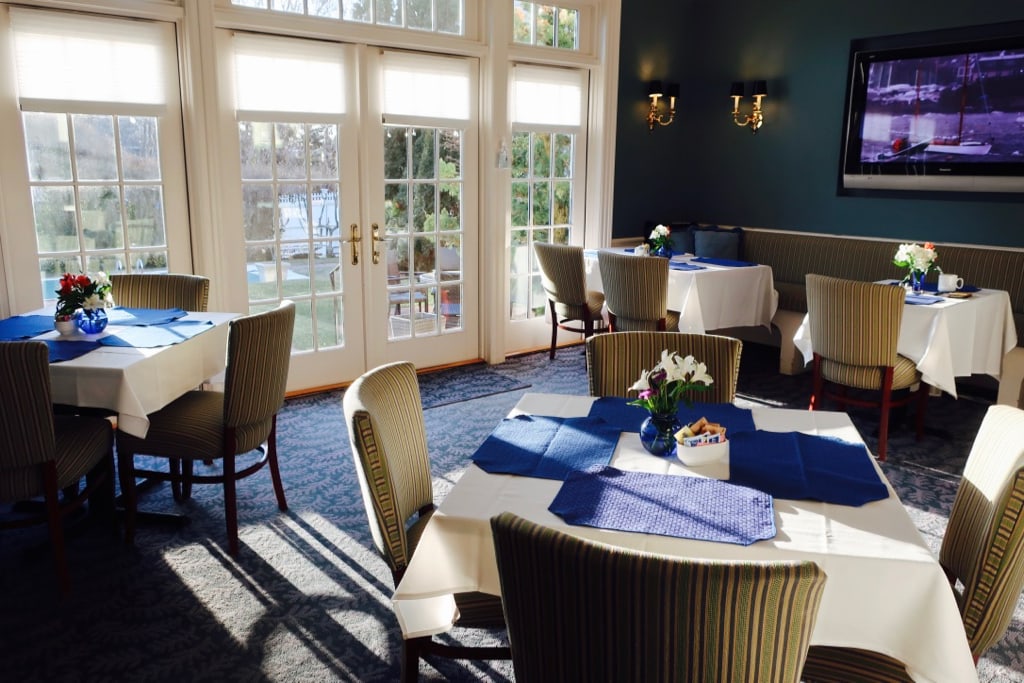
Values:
[(308, 599)]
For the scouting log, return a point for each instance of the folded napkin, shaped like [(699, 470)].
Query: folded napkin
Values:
[(628, 250), (546, 447), (143, 316), (934, 287), (680, 265), (724, 262), (804, 466), (626, 418), (151, 336), (679, 506), (69, 350), (24, 326), (922, 299)]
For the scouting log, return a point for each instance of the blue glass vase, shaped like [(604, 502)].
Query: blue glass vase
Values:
[(91, 321), (658, 433), (917, 281), (662, 251)]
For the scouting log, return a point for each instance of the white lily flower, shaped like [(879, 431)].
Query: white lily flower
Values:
[(642, 384), (700, 374)]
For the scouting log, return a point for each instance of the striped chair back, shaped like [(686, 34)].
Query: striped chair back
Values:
[(384, 415), (563, 278), (259, 350), (983, 545), (615, 361), (161, 290), (854, 323), (26, 421), (635, 290), (579, 610)]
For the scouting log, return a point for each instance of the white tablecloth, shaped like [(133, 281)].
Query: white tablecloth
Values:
[(885, 590), (711, 299), (136, 382), (953, 338)]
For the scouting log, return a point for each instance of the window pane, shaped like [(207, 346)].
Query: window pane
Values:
[(541, 204), (563, 156), (520, 155), (145, 216), (140, 149), (522, 28), (542, 155), (389, 12), (545, 23), (568, 33), (419, 14), (48, 146), (449, 16), (94, 147), (423, 153), (290, 149), (520, 204), (396, 207), (396, 154), (323, 151), (256, 142)]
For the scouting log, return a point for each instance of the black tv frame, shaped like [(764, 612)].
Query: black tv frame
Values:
[(906, 172)]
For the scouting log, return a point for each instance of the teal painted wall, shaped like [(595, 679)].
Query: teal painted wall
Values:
[(704, 168)]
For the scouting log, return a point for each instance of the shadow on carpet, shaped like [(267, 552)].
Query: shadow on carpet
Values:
[(464, 383)]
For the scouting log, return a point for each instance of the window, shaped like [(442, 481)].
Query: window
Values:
[(546, 25), (547, 115), (439, 16)]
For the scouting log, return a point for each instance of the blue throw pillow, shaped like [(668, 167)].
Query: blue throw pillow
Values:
[(682, 238), (717, 242)]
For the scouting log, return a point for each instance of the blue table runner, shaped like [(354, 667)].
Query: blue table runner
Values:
[(678, 506), (922, 299), (616, 411), (143, 316), (731, 263), (804, 466), (24, 326), (546, 447), (681, 265), (61, 350)]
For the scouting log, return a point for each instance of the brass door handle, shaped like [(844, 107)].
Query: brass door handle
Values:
[(354, 240), (376, 238)]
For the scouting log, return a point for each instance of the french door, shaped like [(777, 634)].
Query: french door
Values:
[(358, 203)]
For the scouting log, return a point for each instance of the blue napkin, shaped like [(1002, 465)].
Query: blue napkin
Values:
[(143, 316), (922, 299), (724, 262), (69, 350), (934, 287), (680, 265), (616, 411), (151, 336), (805, 466), (629, 250), (546, 447), (25, 326), (683, 507)]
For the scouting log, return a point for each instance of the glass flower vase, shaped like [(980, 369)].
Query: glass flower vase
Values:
[(917, 281), (91, 321), (658, 433), (663, 251)]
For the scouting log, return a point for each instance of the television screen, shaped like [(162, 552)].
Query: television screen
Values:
[(938, 116)]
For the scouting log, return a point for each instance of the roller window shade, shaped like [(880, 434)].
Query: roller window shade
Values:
[(548, 96), (285, 75), (426, 86)]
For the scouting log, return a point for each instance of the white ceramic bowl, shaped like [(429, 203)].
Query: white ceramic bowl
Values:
[(695, 456)]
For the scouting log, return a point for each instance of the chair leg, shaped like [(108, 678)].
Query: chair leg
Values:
[(922, 403), (554, 329), (174, 467), (818, 384), (275, 471), (186, 478), (126, 472), (883, 419), (231, 503), (55, 524), (411, 659)]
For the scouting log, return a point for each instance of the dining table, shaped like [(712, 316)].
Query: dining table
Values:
[(709, 293), (142, 360), (947, 337), (885, 589)]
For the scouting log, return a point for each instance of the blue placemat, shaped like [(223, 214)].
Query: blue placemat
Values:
[(24, 326), (804, 466), (683, 507), (922, 299), (616, 411), (681, 265), (143, 316), (69, 350), (547, 447), (724, 262), (934, 287), (151, 336)]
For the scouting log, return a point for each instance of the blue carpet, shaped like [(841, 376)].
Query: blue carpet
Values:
[(308, 598), (464, 383)]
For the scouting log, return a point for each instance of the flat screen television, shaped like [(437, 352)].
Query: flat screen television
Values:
[(940, 111)]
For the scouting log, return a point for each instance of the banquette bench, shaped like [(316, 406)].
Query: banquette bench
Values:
[(792, 255)]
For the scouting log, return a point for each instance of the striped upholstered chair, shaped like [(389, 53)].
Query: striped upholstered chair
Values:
[(41, 454), (389, 449), (564, 280), (213, 425), (615, 360), (161, 290), (982, 552), (636, 292), (854, 329), (580, 610)]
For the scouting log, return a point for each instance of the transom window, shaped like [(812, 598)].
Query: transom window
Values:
[(546, 25), (439, 16)]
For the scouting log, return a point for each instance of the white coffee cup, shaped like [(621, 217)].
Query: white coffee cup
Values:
[(950, 283)]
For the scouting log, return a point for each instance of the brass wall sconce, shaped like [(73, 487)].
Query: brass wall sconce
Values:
[(756, 117), (656, 92)]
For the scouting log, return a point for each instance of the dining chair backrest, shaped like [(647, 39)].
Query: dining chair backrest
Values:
[(580, 610), (635, 289), (563, 277), (161, 290), (256, 375), (388, 435), (983, 545), (615, 361), (854, 323), (26, 422)]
